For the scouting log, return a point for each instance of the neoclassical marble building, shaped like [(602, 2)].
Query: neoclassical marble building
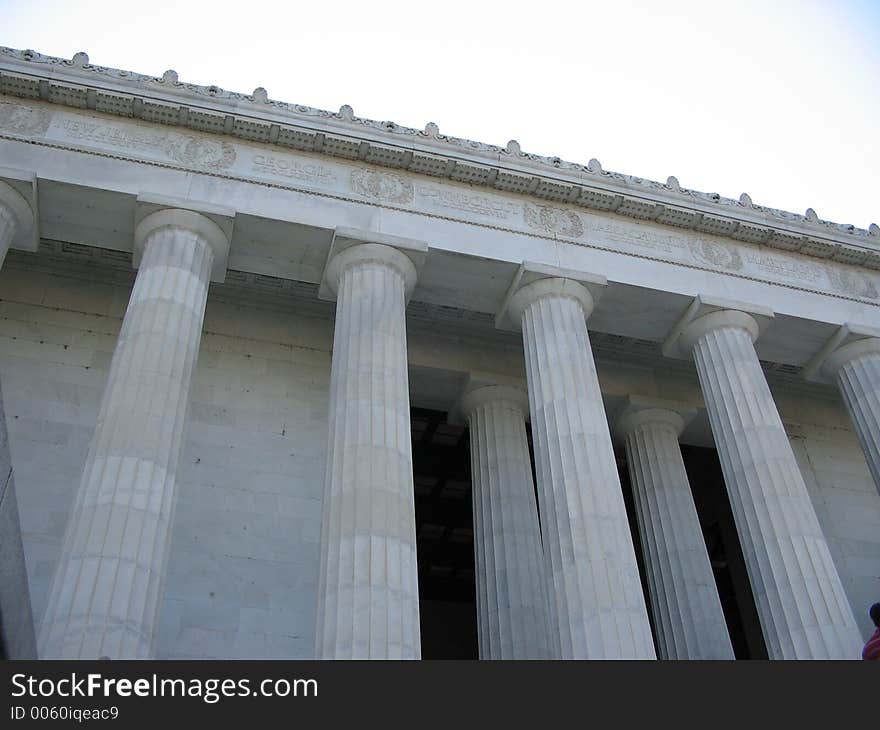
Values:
[(243, 343)]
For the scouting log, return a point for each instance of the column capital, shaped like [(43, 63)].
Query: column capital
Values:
[(849, 341), (18, 192), (212, 222), (639, 410), (706, 313), (479, 394), (534, 281), (350, 244)]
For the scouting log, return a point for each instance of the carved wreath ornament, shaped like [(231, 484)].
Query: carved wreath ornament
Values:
[(23, 119), (387, 187), (209, 153), (553, 220), (721, 255), (853, 283)]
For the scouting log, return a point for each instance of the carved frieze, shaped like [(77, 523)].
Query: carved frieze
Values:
[(22, 70), (186, 149), (853, 283), (21, 119), (559, 221), (715, 253), (383, 186), (251, 162), (200, 151)]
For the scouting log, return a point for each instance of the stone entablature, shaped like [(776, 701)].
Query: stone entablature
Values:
[(256, 118), (441, 201)]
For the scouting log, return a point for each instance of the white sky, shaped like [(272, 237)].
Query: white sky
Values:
[(777, 98)]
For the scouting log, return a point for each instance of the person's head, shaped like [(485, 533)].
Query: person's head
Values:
[(874, 613)]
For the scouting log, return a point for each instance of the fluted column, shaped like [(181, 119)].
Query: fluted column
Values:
[(511, 588), (597, 610), (803, 609), (8, 219), (16, 620), (368, 596), (105, 595), (16, 215), (856, 369), (688, 619)]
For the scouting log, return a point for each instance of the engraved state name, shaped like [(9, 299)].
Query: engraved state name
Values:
[(468, 202), (803, 270), (139, 140), (290, 168), (187, 149)]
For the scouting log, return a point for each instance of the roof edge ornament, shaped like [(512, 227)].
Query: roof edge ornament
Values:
[(79, 68)]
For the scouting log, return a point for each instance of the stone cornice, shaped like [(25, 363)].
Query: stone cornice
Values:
[(254, 117)]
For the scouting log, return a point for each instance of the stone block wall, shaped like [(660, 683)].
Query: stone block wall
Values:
[(243, 568)]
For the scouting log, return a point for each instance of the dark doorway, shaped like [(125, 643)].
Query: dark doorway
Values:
[(725, 552), (722, 543), (444, 537)]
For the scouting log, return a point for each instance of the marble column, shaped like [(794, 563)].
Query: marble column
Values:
[(511, 588), (855, 368), (597, 610), (11, 202), (17, 638), (688, 619), (801, 602), (368, 595), (18, 214), (105, 596)]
